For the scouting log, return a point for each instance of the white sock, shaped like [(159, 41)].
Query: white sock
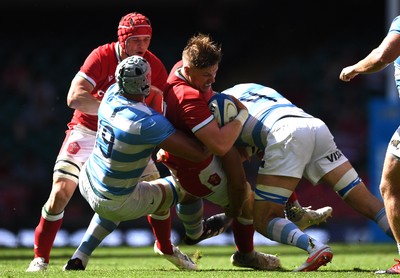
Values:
[(84, 258)]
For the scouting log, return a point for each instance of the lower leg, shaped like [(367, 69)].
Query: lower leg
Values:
[(161, 226), (97, 231), (45, 234), (191, 216)]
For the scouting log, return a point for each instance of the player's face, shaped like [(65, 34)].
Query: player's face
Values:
[(202, 79), (137, 45)]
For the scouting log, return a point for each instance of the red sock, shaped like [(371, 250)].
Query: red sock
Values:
[(243, 235), (45, 233), (292, 198), (162, 233)]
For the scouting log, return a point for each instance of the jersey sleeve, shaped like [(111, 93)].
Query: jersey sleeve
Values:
[(156, 129), (195, 113), (395, 26), (91, 68)]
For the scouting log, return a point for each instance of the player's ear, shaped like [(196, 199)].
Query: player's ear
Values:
[(186, 70)]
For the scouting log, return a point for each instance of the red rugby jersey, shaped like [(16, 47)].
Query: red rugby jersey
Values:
[(99, 69), (187, 109)]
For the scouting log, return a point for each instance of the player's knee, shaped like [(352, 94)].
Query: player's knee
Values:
[(171, 191), (387, 189), (61, 192), (269, 203), (264, 212), (384, 189), (261, 219)]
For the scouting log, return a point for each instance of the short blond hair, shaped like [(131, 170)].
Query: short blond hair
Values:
[(202, 52)]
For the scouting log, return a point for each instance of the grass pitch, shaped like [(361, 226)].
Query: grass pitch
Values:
[(352, 260)]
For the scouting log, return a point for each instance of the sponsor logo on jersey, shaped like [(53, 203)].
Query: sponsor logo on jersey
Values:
[(334, 156)]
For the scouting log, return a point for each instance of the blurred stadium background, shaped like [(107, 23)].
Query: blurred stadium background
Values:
[(296, 47)]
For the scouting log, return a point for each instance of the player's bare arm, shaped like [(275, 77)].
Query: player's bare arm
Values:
[(238, 188), (181, 145), (80, 98), (220, 140), (376, 60)]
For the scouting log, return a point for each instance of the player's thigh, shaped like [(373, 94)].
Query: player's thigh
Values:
[(75, 150), (390, 180), (327, 162), (391, 168)]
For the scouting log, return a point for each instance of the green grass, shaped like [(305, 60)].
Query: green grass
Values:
[(352, 260)]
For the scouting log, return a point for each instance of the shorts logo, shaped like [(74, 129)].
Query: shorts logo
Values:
[(73, 148), (214, 179), (334, 156), (395, 143)]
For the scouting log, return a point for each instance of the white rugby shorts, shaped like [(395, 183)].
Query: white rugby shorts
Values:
[(203, 177), (78, 145), (394, 144), (298, 147), (144, 200)]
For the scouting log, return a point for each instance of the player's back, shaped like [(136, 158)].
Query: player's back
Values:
[(127, 133), (265, 106)]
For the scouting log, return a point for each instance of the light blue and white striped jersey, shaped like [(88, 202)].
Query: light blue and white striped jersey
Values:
[(265, 106), (127, 134), (395, 28)]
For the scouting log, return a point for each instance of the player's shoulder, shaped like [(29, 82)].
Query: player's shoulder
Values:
[(106, 48), (186, 92), (154, 120)]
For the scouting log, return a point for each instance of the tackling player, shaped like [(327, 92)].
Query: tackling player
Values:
[(295, 145)]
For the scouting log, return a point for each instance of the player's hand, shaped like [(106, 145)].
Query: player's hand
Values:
[(347, 74), (161, 156), (239, 105)]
